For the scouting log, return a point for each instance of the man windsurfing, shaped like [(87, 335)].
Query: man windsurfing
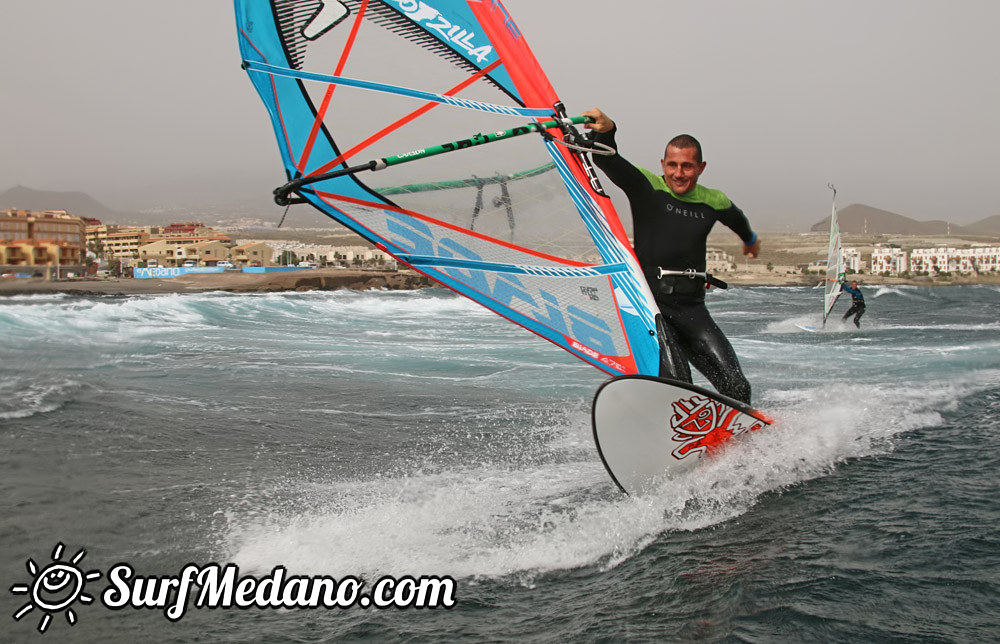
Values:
[(672, 216), (857, 302)]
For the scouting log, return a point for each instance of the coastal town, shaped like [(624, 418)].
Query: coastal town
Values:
[(55, 245)]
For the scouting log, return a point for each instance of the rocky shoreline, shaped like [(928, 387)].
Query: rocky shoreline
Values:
[(232, 282), (329, 279)]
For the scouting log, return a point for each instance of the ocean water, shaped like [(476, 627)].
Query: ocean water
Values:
[(373, 434)]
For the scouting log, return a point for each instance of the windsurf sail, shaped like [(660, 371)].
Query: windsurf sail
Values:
[(362, 94), (834, 262)]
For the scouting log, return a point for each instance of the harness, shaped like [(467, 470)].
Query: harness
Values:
[(687, 282)]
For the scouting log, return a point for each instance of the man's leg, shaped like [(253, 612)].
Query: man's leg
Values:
[(708, 349), (673, 362)]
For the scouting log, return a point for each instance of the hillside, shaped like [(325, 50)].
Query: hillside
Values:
[(76, 203), (859, 219), (258, 206), (988, 226), (855, 219)]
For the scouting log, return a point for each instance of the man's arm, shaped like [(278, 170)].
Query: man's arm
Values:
[(602, 122), (734, 219), (624, 175)]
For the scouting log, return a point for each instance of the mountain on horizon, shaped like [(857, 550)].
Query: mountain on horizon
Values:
[(988, 226), (258, 205), (859, 219), (854, 219), (78, 204)]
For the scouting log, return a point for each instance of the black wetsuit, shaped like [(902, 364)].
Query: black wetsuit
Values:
[(671, 232), (857, 304)]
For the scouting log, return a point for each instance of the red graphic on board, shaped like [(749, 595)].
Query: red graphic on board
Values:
[(701, 425)]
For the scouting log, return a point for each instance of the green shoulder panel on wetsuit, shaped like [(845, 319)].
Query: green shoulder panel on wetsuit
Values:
[(715, 199)]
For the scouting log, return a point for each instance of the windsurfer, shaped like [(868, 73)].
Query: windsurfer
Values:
[(857, 302), (672, 216)]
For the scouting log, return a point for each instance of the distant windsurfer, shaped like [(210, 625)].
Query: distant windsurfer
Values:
[(671, 218), (857, 302)]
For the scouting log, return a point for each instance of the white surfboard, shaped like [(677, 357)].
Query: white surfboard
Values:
[(649, 428)]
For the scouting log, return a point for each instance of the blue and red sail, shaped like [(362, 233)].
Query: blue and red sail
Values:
[(520, 227)]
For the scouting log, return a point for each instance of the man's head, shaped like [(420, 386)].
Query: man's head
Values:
[(682, 163), (854, 284)]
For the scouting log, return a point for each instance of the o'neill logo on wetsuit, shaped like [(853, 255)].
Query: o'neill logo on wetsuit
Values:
[(701, 425), (694, 214)]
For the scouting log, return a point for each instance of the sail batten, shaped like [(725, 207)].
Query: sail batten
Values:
[(329, 79)]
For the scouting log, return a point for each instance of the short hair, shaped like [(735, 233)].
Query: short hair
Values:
[(685, 141)]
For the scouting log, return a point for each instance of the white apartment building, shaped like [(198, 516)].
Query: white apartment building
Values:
[(934, 260), (852, 259), (718, 261), (942, 259), (888, 259), (359, 254), (980, 259)]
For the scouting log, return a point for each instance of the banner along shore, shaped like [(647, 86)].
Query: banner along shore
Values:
[(314, 279)]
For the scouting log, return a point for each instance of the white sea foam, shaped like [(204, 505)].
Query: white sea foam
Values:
[(22, 396), (492, 519), (836, 396)]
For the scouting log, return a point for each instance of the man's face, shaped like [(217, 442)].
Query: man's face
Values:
[(682, 169)]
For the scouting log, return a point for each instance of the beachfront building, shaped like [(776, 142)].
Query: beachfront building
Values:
[(24, 255), (57, 225), (282, 250), (173, 251), (252, 254), (361, 256), (123, 244), (97, 234), (50, 238), (14, 224), (888, 260), (205, 253), (112, 242), (718, 261), (158, 253), (852, 260), (277, 251), (186, 229), (933, 260), (980, 259)]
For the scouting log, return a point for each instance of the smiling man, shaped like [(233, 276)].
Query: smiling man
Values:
[(672, 216)]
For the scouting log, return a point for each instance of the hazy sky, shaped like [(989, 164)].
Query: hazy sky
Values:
[(895, 101)]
